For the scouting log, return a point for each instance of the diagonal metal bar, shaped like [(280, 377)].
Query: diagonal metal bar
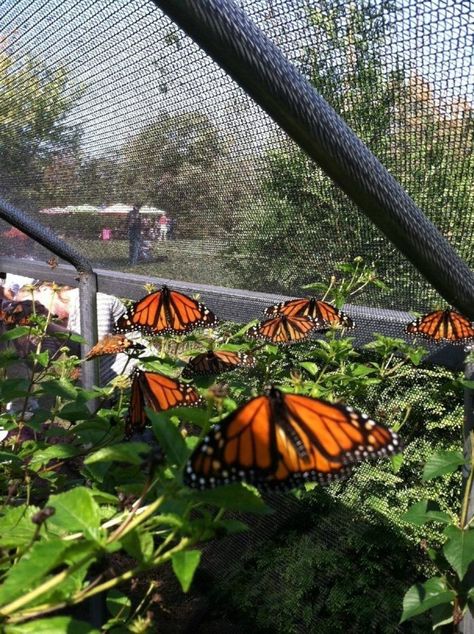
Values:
[(224, 31)]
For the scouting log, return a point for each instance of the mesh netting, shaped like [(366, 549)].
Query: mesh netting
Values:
[(106, 105), (141, 115)]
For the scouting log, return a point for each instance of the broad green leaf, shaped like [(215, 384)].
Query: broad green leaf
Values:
[(441, 615), (396, 461), (16, 527), (32, 568), (75, 411), (184, 566), (233, 497), (459, 549), (118, 604), (169, 438), (425, 511), (43, 456), (423, 597), (76, 510), (139, 545), (130, 452), (15, 333), (8, 456), (54, 625), (42, 358), (233, 526), (442, 462), (191, 414), (310, 367), (60, 387), (13, 388)]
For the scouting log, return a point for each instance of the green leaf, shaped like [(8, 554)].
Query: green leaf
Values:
[(60, 387), (42, 358), (16, 527), (442, 462), (310, 367), (139, 545), (233, 497), (43, 456), (459, 549), (184, 566), (130, 452), (169, 438), (8, 456), (15, 333), (191, 414), (425, 511), (396, 461), (423, 597), (118, 604), (76, 510), (54, 625), (75, 411), (32, 568)]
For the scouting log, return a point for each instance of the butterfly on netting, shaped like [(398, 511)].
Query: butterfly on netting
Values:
[(443, 325), (114, 344), (322, 312), (166, 312), (21, 313), (158, 392), (217, 361), (280, 441), (284, 329)]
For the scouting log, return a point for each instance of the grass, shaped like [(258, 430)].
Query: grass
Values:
[(188, 260)]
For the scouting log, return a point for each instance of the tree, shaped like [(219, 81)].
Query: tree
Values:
[(34, 104), (423, 142)]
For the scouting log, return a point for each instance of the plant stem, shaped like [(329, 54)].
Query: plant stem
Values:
[(463, 522)]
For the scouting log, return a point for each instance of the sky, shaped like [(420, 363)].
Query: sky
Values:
[(130, 61)]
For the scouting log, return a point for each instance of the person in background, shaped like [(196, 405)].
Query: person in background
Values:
[(63, 301), (148, 236), (10, 284), (134, 234), (164, 226)]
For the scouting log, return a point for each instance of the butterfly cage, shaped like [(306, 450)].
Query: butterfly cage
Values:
[(221, 158)]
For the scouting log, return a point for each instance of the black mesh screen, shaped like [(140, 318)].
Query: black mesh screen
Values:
[(106, 105), (110, 104)]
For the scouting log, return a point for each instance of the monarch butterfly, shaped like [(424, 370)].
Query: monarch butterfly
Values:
[(158, 392), (283, 440), (284, 329), (217, 361), (20, 313), (320, 311), (166, 312), (113, 344), (443, 325)]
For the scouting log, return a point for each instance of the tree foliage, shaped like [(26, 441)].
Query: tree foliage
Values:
[(34, 132)]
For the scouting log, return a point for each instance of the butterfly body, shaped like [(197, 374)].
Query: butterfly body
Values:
[(217, 361), (322, 312), (278, 441), (443, 325), (158, 392), (284, 329), (166, 312)]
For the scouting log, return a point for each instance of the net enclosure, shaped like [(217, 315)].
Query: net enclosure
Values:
[(110, 105)]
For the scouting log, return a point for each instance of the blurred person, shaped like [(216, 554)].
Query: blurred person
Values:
[(164, 226), (134, 234), (10, 284), (63, 302)]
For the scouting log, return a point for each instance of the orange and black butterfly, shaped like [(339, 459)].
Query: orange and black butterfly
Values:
[(279, 441), (166, 312), (158, 392), (217, 361), (284, 329), (113, 344), (20, 313), (443, 325), (322, 312)]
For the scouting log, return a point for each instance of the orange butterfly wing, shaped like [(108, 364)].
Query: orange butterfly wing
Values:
[(217, 361), (166, 312), (283, 440), (443, 325), (283, 329), (113, 344), (320, 311), (158, 392)]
